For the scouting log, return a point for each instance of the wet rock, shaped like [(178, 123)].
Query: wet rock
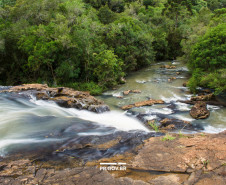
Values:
[(122, 80), (175, 124), (98, 108), (200, 111), (178, 73), (120, 97), (136, 91), (131, 91), (126, 92), (203, 97), (185, 84), (171, 79), (143, 103), (168, 67), (63, 96), (127, 107), (166, 180)]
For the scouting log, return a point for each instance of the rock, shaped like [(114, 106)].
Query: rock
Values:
[(192, 159), (185, 84), (131, 91), (127, 107), (203, 97), (171, 79), (126, 92), (200, 111), (65, 97), (122, 80), (143, 103), (172, 124), (119, 97), (168, 66), (178, 73), (183, 154), (136, 91)]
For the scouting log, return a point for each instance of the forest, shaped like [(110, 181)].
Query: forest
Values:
[(92, 44)]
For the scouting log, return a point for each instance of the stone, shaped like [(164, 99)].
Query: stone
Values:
[(178, 73), (200, 111), (171, 79), (168, 67), (136, 91), (203, 97), (126, 92), (185, 84), (131, 91), (189, 153), (143, 103), (172, 124)]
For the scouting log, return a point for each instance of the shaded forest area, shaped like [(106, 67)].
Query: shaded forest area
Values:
[(92, 44)]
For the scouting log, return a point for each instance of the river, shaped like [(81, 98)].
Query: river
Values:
[(30, 125)]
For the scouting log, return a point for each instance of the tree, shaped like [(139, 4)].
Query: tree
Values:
[(208, 60)]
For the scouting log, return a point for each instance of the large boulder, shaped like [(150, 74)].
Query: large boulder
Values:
[(199, 110)]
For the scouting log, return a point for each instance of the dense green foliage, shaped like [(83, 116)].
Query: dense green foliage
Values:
[(92, 44)]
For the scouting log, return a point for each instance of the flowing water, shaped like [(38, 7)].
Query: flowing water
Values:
[(36, 125), (153, 83), (29, 123)]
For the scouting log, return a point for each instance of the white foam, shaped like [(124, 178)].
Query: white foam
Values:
[(213, 107), (115, 119), (183, 106), (116, 94), (141, 81), (174, 97), (184, 118), (160, 110), (211, 129)]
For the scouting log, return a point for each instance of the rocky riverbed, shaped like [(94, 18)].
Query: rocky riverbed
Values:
[(185, 159)]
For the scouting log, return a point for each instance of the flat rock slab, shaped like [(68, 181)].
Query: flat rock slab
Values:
[(183, 154), (142, 103)]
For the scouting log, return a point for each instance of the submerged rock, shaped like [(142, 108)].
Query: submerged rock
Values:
[(200, 111), (65, 97)]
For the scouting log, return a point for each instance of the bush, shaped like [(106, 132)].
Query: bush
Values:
[(92, 87)]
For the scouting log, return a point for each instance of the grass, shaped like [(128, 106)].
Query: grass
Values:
[(168, 137), (154, 126)]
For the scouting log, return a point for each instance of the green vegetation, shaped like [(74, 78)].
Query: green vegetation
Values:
[(154, 126), (91, 45), (168, 137)]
